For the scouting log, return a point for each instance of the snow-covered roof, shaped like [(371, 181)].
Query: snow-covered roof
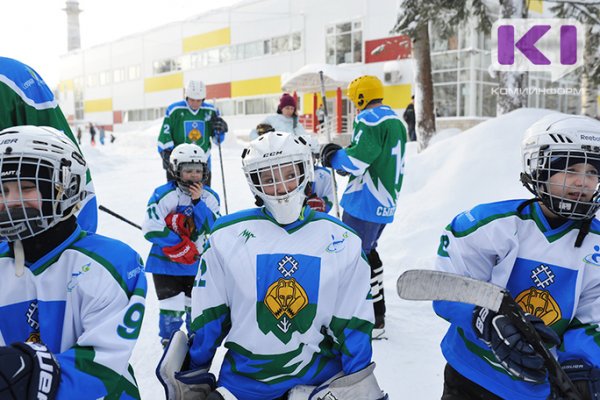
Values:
[(307, 79)]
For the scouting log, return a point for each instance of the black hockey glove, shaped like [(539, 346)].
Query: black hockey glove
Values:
[(219, 125), (327, 152), (28, 371), (165, 155), (584, 376), (510, 347)]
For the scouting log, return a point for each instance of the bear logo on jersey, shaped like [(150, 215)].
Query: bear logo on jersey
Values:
[(286, 296), (539, 303)]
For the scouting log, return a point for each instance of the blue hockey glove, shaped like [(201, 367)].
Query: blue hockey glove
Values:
[(218, 137), (327, 152), (28, 371), (510, 347), (584, 376)]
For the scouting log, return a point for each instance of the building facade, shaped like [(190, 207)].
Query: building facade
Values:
[(241, 52), (245, 52)]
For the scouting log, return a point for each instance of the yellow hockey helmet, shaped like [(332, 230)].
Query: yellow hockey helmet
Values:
[(364, 89)]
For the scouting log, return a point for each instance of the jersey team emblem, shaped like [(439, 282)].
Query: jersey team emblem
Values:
[(287, 293), (194, 130)]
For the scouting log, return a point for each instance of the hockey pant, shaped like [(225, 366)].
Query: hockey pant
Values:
[(369, 233), (174, 301), (457, 387)]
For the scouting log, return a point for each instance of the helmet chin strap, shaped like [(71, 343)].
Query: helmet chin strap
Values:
[(19, 258)]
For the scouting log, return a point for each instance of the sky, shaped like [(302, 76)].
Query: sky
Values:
[(35, 31), (438, 184)]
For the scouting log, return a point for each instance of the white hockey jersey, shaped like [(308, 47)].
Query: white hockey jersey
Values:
[(85, 301), (293, 301), (167, 199), (542, 269)]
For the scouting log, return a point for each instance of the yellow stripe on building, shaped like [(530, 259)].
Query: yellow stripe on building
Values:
[(536, 6), (163, 82), (397, 96), (220, 37), (98, 105), (256, 87)]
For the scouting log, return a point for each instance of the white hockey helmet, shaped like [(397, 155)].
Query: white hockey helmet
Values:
[(196, 90), (188, 155), (552, 145), (46, 157), (278, 167)]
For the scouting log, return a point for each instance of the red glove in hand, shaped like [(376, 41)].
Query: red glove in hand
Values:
[(184, 252), (316, 203), (176, 223)]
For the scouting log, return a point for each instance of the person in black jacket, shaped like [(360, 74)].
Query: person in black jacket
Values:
[(409, 117)]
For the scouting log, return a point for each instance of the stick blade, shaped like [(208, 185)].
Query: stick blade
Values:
[(421, 284)]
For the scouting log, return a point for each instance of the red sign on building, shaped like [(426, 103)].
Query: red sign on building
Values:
[(388, 49)]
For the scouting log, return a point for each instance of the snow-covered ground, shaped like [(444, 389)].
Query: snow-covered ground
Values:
[(456, 172)]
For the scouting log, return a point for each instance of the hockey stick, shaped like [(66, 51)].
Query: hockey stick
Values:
[(214, 117), (324, 100), (114, 214), (436, 285)]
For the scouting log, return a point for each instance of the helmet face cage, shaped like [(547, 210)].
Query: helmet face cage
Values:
[(562, 196), (200, 168), (35, 195), (280, 179), (42, 180), (278, 167)]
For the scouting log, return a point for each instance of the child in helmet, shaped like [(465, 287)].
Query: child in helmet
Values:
[(27, 100), (191, 120), (179, 215), (375, 161), (321, 189), (546, 252), (71, 301), (289, 288)]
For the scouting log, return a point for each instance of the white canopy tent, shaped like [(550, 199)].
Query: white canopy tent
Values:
[(306, 79)]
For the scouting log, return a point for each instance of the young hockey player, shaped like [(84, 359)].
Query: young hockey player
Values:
[(71, 302), (27, 100), (179, 215), (289, 288), (191, 120), (375, 160), (546, 252)]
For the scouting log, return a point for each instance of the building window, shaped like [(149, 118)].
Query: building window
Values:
[(105, 78), (343, 43), (133, 72), (92, 80), (166, 65), (119, 75)]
